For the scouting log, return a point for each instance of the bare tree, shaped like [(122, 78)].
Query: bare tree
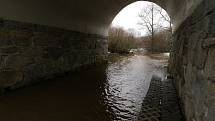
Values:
[(164, 17), (153, 18), (147, 20)]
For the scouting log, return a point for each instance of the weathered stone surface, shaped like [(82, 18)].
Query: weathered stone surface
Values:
[(9, 78), (195, 76), (5, 39), (21, 38), (8, 50), (209, 42), (45, 39), (30, 53), (201, 55), (210, 65), (18, 61)]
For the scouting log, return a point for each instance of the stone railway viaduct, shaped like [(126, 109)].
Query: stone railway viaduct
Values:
[(42, 38)]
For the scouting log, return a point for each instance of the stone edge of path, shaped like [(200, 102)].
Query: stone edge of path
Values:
[(161, 102)]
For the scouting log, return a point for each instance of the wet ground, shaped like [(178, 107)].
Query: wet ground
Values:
[(112, 92)]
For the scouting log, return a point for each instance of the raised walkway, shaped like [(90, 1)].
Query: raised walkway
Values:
[(161, 102)]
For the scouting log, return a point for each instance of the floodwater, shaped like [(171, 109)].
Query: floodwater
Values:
[(111, 92)]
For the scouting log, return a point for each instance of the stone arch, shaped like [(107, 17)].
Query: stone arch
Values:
[(84, 16)]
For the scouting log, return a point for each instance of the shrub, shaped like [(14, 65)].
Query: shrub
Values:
[(120, 40)]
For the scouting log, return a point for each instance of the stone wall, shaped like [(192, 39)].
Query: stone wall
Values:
[(193, 63), (30, 52)]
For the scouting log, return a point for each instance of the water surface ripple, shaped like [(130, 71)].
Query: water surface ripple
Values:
[(127, 84)]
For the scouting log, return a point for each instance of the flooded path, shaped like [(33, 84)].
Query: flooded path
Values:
[(112, 92)]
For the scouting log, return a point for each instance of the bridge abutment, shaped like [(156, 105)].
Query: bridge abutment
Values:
[(32, 52), (193, 63)]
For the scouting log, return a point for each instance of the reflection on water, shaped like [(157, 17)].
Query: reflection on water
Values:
[(127, 84), (109, 92)]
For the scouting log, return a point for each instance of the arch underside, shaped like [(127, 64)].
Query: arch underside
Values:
[(92, 16)]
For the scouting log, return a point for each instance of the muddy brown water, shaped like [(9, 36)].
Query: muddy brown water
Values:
[(112, 92)]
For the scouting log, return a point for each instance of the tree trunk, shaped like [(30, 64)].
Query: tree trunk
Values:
[(152, 27)]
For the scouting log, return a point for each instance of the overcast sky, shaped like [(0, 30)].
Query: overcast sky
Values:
[(128, 17)]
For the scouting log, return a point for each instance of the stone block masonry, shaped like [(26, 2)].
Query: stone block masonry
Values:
[(31, 53), (161, 102), (193, 63)]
